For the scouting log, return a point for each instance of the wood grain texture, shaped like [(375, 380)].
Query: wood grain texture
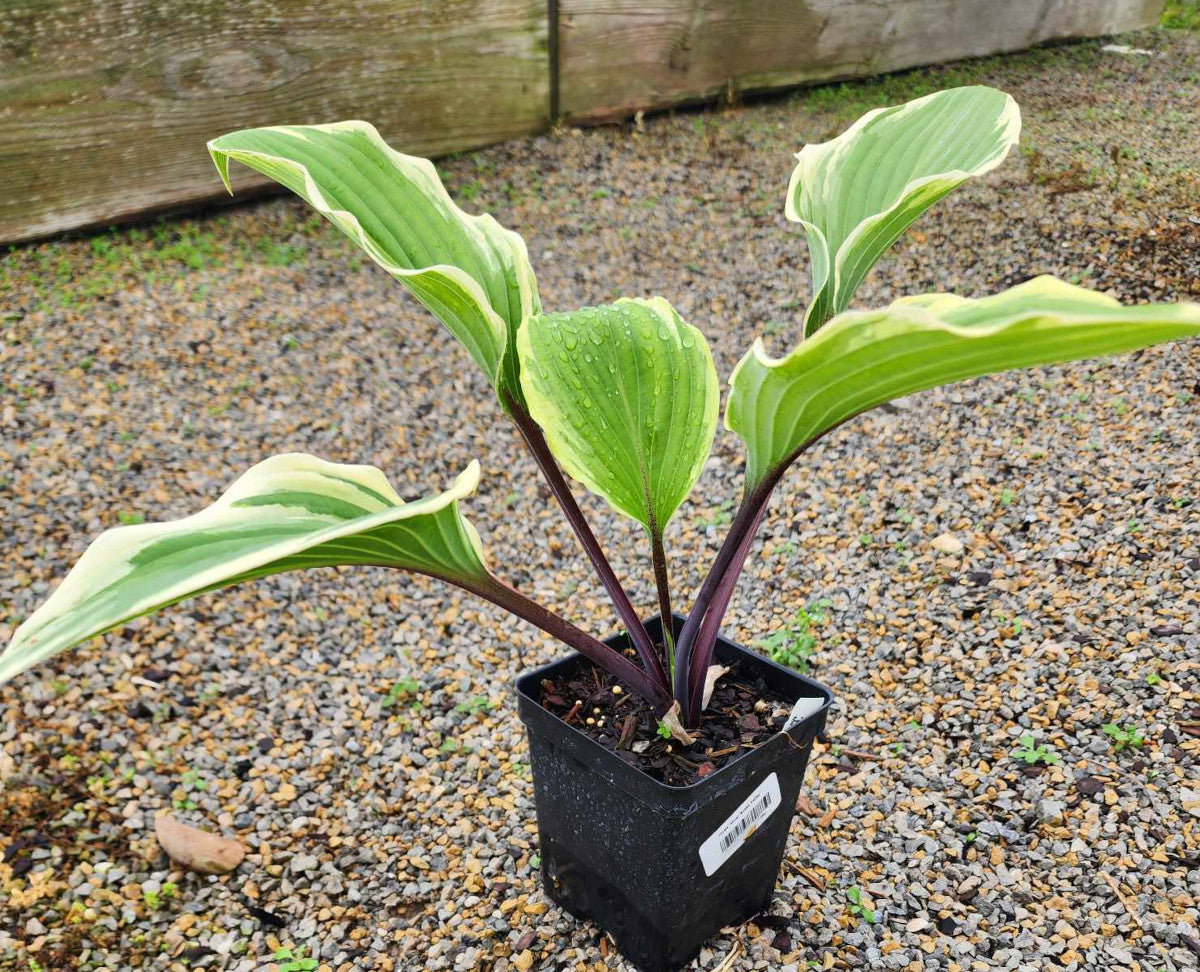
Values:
[(106, 105), (620, 56)]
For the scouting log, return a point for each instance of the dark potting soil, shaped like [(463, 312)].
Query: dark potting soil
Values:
[(742, 714)]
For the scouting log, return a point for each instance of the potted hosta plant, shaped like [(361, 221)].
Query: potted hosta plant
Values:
[(666, 759)]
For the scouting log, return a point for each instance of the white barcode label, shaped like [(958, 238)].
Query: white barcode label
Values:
[(740, 826)]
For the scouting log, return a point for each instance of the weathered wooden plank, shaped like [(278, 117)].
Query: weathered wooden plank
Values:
[(619, 56), (105, 105)]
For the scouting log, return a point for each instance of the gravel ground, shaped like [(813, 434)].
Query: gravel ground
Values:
[(357, 730)]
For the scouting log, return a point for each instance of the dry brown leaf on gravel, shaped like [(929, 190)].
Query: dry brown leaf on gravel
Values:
[(198, 849)]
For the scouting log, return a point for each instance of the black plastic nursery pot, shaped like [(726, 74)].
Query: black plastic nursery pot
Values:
[(663, 868)]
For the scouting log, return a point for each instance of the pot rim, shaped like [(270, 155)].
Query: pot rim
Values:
[(714, 780)]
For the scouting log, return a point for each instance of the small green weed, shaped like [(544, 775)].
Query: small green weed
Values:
[(295, 961), (1124, 738), (794, 644), (154, 899), (406, 688), (1030, 753), (470, 191), (856, 906), (722, 517), (280, 254), (193, 780), (475, 705)]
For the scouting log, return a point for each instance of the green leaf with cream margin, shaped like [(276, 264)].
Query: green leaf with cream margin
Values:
[(861, 359), (627, 396), (856, 194), (469, 271), (289, 512)]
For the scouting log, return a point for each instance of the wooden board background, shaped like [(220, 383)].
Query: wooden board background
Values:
[(619, 56), (106, 105)]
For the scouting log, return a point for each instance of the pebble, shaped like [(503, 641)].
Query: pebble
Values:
[(1051, 811), (946, 543)]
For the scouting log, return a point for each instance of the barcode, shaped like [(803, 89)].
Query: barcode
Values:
[(752, 816), (727, 839)]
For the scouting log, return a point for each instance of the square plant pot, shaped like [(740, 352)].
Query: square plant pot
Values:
[(663, 868)]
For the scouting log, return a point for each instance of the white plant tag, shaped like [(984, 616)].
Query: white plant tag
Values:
[(802, 710), (724, 842)]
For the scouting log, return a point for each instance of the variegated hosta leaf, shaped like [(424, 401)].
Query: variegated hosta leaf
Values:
[(861, 359), (627, 396), (289, 512), (471, 273), (856, 194)]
